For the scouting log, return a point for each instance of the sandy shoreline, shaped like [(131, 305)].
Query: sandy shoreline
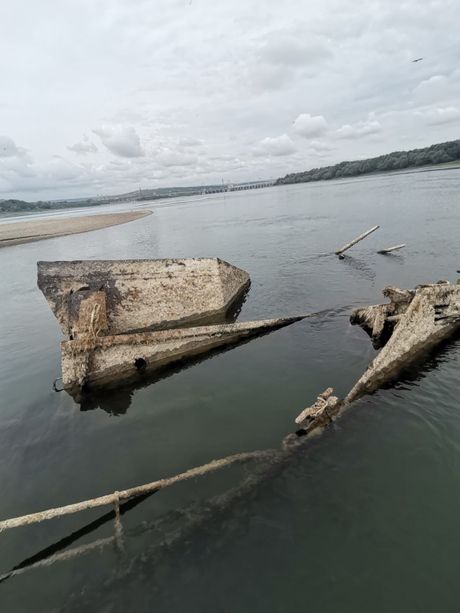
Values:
[(28, 231)]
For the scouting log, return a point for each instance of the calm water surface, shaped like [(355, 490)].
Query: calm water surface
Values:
[(364, 518)]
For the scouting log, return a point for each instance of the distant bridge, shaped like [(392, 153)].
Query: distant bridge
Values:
[(238, 187)]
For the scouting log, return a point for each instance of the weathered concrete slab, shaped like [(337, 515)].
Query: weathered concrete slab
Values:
[(142, 294), (103, 359), (414, 322)]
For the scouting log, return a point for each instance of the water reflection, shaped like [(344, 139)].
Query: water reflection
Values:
[(359, 267), (388, 479), (426, 362), (116, 398), (51, 552), (171, 528)]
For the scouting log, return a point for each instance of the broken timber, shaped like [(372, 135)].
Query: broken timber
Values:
[(123, 317), (414, 322), (359, 238)]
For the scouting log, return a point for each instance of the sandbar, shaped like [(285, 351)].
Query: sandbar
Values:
[(36, 230)]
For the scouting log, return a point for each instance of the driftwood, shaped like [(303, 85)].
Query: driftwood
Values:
[(355, 240), (391, 249), (116, 497)]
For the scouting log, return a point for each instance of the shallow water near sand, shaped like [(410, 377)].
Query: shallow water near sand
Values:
[(364, 517)]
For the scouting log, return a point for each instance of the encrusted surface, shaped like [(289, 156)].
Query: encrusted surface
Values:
[(107, 358), (426, 316), (143, 294), (322, 412)]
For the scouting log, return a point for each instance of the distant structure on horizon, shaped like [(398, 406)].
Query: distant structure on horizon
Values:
[(237, 187)]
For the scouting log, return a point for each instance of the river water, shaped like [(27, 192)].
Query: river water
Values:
[(363, 518)]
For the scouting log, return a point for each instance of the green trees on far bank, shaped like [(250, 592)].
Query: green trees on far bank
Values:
[(398, 160)]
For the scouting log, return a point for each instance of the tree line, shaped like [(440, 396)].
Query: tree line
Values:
[(397, 160)]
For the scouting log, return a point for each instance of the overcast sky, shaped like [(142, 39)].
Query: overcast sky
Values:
[(104, 96)]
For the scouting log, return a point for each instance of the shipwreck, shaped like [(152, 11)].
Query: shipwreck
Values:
[(414, 322), (125, 317)]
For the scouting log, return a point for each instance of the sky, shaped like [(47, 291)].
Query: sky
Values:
[(99, 97)]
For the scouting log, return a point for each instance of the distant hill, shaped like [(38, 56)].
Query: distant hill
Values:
[(18, 206), (398, 160)]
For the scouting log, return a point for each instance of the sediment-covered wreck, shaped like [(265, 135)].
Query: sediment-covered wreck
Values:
[(142, 294), (412, 323), (126, 317)]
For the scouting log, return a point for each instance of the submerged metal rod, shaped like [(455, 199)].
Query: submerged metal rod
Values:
[(356, 240), (112, 499), (390, 249)]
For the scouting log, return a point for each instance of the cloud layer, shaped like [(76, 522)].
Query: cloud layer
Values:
[(123, 141), (194, 92)]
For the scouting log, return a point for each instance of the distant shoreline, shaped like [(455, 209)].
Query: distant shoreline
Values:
[(378, 173), (442, 155), (29, 231)]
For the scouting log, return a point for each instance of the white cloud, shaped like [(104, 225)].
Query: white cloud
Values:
[(190, 142), (280, 56), (359, 129), (171, 157), (278, 146), (120, 140), (307, 125), (83, 147), (433, 82), (16, 166), (291, 48), (8, 147), (60, 169), (320, 146), (229, 76), (440, 116)]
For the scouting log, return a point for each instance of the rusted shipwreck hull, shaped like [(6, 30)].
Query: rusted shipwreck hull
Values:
[(414, 322), (124, 317)]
